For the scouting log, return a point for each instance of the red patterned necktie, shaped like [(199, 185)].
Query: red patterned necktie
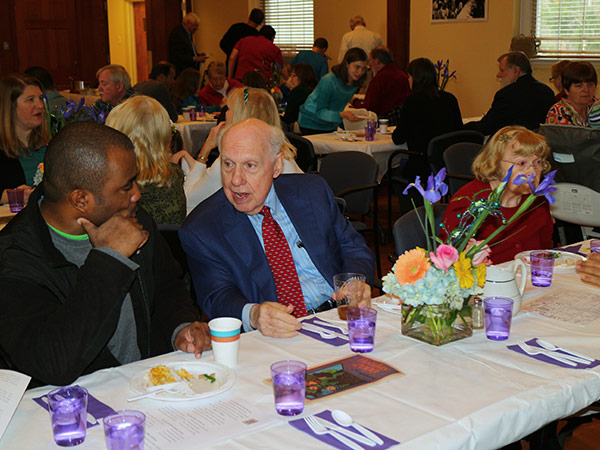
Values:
[(282, 265)]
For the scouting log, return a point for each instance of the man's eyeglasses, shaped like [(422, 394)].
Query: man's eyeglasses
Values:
[(522, 166)]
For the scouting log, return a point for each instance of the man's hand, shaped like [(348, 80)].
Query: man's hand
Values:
[(195, 338), (274, 319), (121, 232), (590, 270), (356, 292)]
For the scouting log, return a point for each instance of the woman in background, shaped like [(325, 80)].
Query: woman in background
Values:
[(426, 113), (556, 78), (148, 126), (301, 82), (324, 108), (202, 181), (527, 153), (23, 132), (579, 80), (184, 89)]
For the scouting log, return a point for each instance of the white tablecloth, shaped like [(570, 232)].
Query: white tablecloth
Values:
[(380, 148), (4, 214), (194, 134), (470, 394)]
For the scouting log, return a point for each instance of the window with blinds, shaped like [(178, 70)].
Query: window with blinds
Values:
[(293, 21), (566, 27)]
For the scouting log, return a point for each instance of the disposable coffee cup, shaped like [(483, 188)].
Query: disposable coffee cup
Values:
[(225, 336), (383, 125)]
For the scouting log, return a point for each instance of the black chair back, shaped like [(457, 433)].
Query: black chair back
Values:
[(408, 232), (305, 152), (170, 234), (437, 145), (458, 159)]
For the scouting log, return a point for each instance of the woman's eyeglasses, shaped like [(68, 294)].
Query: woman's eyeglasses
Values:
[(522, 166)]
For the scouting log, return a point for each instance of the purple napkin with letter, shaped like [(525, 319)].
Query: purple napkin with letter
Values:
[(540, 357), (301, 425), (572, 249), (95, 408), (336, 342)]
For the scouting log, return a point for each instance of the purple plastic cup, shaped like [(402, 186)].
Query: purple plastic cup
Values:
[(125, 430), (595, 245), (361, 328), (68, 414), (542, 265), (498, 315), (370, 130), (289, 386), (16, 199)]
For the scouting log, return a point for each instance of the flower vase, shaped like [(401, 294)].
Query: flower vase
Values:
[(436, 324)]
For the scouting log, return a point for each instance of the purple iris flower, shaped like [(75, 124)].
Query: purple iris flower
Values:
[(436, 187), (545, 187)]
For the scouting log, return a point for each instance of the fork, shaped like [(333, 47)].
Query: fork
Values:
[(319, 429), (171, 387), (571, 355), (531, 351), (327, 324), (325, 334)]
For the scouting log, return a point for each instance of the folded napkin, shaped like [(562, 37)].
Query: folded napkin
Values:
[(95, 408), (301, 425), (336, 342), (540, 357), (572, 249)]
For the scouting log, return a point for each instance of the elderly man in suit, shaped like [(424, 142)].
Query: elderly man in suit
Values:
[(181, 49), (266, 247), (522, 100)]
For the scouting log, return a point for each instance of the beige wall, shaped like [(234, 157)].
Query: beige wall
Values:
[(332, 20)]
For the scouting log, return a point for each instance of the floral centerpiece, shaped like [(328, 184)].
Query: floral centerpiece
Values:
[(435, 284)]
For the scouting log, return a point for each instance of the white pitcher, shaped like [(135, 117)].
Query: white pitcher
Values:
[(500, 282)]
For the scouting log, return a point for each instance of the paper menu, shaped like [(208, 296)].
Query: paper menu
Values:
[(560, 304), (12, 388), (203, 426)]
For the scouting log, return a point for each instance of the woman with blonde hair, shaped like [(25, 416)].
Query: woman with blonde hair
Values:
[(147, 124), (243, 103), (23, 132), (526, 152)]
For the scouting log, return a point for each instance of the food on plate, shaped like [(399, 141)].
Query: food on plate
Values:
[(207, 377), (184, 374), (160, 375)]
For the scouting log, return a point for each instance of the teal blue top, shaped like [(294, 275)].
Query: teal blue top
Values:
[(30, 163), (322, 108), (192, 100)]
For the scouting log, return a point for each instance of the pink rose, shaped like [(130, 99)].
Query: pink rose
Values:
[(482, 256), (444, 257)]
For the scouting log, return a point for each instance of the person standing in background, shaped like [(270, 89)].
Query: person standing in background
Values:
[(359, 37), (181, 49), (315, 57), (241, 30)]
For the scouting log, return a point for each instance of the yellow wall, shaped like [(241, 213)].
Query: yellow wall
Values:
[(471, 47), (122, 36)]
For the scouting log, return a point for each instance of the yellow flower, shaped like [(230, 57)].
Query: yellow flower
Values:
[(411, 266), (464, 271), (481, 272)]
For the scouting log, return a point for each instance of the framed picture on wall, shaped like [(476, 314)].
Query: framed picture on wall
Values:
[(443, 11)]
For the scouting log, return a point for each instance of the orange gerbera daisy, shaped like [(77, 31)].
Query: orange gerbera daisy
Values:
[(411, 266)]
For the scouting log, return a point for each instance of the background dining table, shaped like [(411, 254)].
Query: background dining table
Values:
[(194, 133), (470, 394), (380, 148), (5, 215)]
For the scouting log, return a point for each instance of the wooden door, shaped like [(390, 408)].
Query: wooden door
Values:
[(92, 42), (8, 44), (161, 17)]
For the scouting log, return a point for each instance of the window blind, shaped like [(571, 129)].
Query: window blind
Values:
[(293, 21), (567, 27)]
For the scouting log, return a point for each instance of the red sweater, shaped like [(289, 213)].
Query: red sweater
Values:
[(531, 231), (256, 52), (388, 88), (209, 97)]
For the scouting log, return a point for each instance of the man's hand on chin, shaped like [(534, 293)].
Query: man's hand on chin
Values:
[(195, 338), (274, 319)]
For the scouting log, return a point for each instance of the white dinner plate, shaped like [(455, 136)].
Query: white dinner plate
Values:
[(564, 262), (225, 380), (388, 304)]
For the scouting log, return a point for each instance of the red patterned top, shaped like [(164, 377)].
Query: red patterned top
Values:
[(562, 113)]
